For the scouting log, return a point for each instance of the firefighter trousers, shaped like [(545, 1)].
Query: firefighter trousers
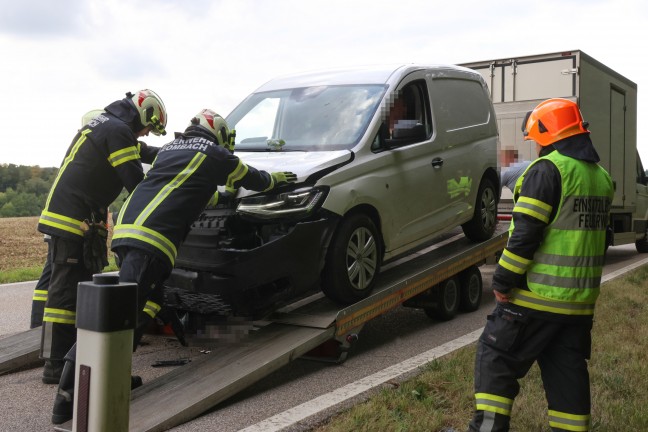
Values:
[(41, 289), (149, 272), (59, 317), (513, 339)]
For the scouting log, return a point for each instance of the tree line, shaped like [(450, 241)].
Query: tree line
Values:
[(24, 190)]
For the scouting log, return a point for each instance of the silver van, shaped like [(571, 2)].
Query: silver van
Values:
[(387, 159)]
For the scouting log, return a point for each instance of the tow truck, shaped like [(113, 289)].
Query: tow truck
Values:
[(442, 279)]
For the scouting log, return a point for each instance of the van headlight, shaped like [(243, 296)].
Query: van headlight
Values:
[(295, 204)]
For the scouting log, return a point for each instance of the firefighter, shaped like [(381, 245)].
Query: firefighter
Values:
[(547, 280), (158, 215), (39, 298), (103, 158)]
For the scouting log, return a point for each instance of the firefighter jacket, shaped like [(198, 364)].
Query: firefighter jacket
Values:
[(102, 159), (185, 175), (554, 257)]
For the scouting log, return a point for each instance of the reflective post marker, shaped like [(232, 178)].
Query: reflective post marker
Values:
[(106, 318)]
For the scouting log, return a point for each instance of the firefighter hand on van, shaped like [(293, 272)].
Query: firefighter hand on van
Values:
[(284, 177)]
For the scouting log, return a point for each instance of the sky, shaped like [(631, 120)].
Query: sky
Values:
[(60, 59)]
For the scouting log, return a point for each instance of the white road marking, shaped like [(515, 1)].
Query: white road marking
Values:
[(307, 409)]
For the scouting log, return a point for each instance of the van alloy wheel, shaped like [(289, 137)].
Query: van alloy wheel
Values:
[(353, 260), (361, 258), (482, 226)]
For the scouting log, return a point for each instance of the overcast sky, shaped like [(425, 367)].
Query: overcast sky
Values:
[(60, 59)]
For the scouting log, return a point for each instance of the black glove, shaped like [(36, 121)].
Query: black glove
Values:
[(95, 249)]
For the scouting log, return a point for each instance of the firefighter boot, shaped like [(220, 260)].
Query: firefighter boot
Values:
[(52, 371), (64, 401)]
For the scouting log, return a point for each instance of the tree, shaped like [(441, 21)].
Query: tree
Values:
[(8, 210), (24, 189)]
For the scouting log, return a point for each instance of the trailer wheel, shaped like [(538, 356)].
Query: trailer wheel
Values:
[(353, 260), (482, 226), (447, 304), (642, 244), (471, 289)]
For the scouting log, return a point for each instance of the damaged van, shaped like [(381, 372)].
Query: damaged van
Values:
[(387, 159)]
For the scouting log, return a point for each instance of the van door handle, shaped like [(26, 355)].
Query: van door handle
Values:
[(437, 162)]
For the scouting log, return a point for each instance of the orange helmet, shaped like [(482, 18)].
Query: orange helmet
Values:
[(553, 120)]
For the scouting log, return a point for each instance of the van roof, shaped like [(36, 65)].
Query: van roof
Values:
[(378, 74)]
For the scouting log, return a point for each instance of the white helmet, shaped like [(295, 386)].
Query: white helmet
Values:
[(151, 110), (90, 115), (216, 126)]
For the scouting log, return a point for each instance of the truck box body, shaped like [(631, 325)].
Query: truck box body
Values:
[(607, 100)]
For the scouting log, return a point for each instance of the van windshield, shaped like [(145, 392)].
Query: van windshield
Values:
[(320, 118)]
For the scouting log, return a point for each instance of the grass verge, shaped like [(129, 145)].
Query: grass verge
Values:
[(441, 396), (23, 251), (33, 273)]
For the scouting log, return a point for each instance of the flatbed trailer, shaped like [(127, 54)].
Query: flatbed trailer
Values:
[(304, 329)]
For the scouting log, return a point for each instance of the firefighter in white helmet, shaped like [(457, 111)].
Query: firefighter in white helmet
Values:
[(103, 158)]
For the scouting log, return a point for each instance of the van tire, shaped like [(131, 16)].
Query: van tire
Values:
[(353, 260), (482, 226)]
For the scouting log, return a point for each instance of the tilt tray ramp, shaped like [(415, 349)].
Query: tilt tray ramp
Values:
[(20, 350)]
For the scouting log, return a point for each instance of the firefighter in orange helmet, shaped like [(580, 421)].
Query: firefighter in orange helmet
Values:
[(547, 280)]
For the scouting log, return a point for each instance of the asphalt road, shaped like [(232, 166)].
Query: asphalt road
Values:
[(388, 340)]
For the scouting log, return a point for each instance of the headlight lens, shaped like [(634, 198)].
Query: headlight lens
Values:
[(296, 204)]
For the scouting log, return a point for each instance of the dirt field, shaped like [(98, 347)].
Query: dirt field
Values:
[(21, 245)]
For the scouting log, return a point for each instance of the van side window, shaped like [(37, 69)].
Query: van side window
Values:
[(408, 118), (460, 104)]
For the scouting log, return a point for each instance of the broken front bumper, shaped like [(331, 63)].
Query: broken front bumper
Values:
[(257, 279)]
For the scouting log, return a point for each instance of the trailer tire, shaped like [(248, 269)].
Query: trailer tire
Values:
[(353, 260), (642, 245), (483, 223), (447, 304), (471, 289)]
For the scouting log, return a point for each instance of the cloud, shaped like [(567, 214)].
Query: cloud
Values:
[(37, 19), (70, 56)]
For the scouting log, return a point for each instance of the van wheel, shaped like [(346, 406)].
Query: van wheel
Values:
[(482, 226), (447, 300), (471, 289), (353, 260)]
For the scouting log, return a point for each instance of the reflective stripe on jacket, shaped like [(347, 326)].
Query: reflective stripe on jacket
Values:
[(186, 173), (102, 159)]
